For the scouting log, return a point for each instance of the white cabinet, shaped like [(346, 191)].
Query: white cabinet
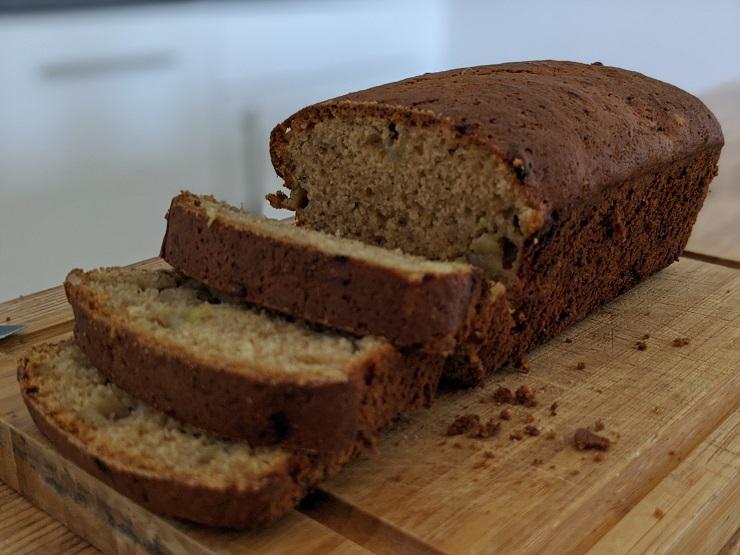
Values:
[(102, 121), (106, 114)]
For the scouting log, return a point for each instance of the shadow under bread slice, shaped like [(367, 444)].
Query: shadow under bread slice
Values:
[(162, 464), (239, 371), (322, 278)]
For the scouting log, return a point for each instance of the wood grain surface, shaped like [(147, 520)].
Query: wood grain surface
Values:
[(672, 412)]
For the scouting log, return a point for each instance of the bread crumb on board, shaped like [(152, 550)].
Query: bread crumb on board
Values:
[(525, 395), (680, 342), (531, 430), (641, 346), (550, 435), (554, 409), (471, 425), (516, 435), (503, 395), (598, 425), (581, 365), (463, 424), (586, 439), (598, 457), (658, 513), (505, 414)]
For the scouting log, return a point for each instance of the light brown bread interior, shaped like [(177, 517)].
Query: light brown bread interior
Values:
[(122, 431), (180, 315), (398, 185)]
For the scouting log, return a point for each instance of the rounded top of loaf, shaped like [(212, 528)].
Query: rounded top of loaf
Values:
[(568, 130)]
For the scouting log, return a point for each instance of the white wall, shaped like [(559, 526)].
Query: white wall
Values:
[(694, 44)]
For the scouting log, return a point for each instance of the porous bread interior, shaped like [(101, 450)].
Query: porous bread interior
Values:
[(219, 330), (415, 266), (114, 426), (398, 185)]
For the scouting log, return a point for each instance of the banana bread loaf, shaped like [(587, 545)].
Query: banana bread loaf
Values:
[(568, 182), (166, 466), (341, 283), (242, 372)]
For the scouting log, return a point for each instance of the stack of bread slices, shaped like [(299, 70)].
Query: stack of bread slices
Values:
[(446, 224), (224, 397)]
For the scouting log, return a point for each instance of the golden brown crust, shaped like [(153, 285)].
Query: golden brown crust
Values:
[(341, 292), (229, 507), (328, 417), (569, 131), (616, 163)]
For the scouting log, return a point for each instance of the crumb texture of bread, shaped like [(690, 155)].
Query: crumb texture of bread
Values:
[(567, 182), (161, 463), (218, 329), (340, 283), (239, 371)]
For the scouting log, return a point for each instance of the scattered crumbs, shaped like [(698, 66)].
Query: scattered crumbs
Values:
[(598, 457), (550, 435), (646, 337), (680, 342), (581, 366), (503, 395), (537, 462), (568, 340), (505, 414), (463, 424), (598, 425), (7, 319), (599, 390), (525, 396), (395, 478), (489, 429), (552, 467), (516, 435), (532, 430), (672, 453), (658, 410), (528, 418), (488, 455), (574, 472), (641, 346), (554, 409), (658, 513), (586, 439)]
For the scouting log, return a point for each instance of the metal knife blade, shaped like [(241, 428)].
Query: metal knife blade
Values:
[(6, 331)]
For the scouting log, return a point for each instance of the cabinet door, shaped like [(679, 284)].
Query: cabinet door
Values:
[(274, 61), (103, 120)]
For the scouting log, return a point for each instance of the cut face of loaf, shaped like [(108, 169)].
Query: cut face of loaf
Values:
[(239, 371), (569, 182), (168, 467), (322, 278)]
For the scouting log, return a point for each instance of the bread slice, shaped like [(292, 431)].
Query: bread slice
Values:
[(567, 182), (341, 283), (166, 466), (240, 371)]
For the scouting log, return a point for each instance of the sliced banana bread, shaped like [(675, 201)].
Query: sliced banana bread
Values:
[(240, 371), (164, 465), (341, 283), (568, 182)]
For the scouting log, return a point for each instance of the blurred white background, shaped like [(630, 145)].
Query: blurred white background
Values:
[(106, 113)]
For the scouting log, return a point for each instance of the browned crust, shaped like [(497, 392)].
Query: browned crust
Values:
[(321, 418), (574, 129), (617, 163), (229, 507), (338, 291)]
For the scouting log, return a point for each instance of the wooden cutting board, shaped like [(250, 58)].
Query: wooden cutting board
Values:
[(670, 482)]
